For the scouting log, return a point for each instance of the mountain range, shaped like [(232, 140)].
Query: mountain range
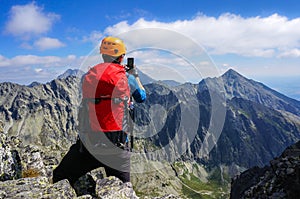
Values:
[(259, 123)]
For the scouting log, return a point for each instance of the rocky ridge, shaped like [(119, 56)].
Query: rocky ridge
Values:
[(44, 115), (26, 172), (279, 180)]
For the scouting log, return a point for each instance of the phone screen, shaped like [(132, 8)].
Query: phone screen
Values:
[(130, 62)]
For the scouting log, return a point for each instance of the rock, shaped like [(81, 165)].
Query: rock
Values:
[(85, 197), (280, 180), (37, 187), (86, 184), (2, 194), (32, 162), (14, 187), (245, 180), (290, 171), (7, 160), (170, 196), (112, 187), (61, 189)]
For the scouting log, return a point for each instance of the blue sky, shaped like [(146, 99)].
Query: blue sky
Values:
[(259, 39)]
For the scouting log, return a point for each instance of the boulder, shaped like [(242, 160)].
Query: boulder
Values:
[(112, 187)]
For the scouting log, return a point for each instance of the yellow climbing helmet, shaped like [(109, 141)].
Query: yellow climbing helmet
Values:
[(112, 46)]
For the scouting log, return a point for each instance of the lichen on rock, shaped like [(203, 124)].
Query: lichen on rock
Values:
[(7, 161), (112, 187)]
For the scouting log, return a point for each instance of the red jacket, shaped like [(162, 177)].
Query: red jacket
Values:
[(106, 81)]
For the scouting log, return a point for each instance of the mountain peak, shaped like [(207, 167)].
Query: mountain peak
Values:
[(232, 74), (71, 72)]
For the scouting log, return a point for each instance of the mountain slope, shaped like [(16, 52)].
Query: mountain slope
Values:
[(253, 134), (239, 86), (259, 123), (279, 180), (45, 114)]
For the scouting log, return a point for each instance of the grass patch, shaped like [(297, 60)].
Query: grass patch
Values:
[(30, 173), (194, 188)]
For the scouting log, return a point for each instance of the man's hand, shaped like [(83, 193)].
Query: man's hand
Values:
[(133, 71)]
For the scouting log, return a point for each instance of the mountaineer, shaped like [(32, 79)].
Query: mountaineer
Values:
[(108, 91)]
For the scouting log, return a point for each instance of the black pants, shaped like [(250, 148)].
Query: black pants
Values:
[(78, 161)]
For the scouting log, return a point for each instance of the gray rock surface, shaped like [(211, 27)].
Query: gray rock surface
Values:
[(112, 187), (7, 160), (38, 187), (24, 174)]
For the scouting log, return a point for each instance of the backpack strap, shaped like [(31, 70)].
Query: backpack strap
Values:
[(116, 100)]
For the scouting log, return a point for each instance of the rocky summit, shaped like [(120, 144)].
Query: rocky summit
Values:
[(24, 173)]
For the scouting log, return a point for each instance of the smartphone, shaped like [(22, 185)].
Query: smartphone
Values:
[(130, 63)]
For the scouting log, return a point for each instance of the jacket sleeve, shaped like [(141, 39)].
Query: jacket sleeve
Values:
[(137, 93)]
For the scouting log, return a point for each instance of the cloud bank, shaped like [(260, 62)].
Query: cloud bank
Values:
[(48, 43), (272, 36)]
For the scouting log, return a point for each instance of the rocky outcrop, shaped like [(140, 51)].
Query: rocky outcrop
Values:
[(25, 172), (112, 187), (37, 187), (279, 180), (19, 160), (8, 162)]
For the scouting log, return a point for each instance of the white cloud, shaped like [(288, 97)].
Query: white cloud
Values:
[(295, 52), (25, 60), (27, 20), (38, 70), (228, 33), (27, 68), (94, 37), (48, 43), (71, 57), (48, 61)]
